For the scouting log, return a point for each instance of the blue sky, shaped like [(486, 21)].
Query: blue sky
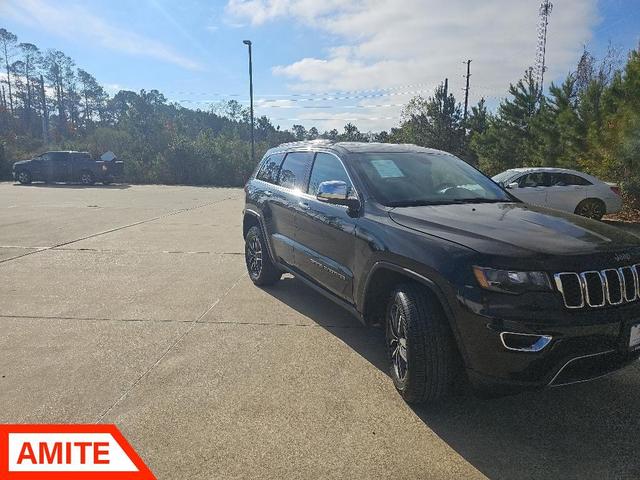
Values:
[(305, 51)]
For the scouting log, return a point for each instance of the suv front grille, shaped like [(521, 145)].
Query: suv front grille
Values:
[(613, 286)]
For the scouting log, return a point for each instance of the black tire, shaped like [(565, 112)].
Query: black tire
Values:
[(106, 182), (87, 178), (591, 208), (430, 362), (261, 269), (24, 177)]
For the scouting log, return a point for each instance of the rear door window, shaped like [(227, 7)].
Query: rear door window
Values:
[(295, 169), (270, 168), (577, 180)]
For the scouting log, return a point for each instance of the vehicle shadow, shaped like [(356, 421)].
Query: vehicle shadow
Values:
[(111, 186), (588, 430)]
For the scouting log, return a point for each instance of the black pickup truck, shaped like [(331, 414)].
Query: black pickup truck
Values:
[(68, 166)]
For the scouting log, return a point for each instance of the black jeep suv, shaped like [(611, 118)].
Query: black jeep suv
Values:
[(464, 277)]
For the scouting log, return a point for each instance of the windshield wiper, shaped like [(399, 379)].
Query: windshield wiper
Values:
[(453, 201)]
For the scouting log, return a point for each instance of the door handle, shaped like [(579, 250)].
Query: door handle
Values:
[(304, 205)]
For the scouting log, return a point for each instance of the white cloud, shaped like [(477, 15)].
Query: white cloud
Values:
[(113, 88), (76, 22), (384, 43)]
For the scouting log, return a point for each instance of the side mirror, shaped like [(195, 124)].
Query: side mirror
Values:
[(337, 192), (511, 185)]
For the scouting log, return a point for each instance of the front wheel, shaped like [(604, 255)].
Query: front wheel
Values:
[(24, 177), (420, 345), (261, 269), (591, 208)]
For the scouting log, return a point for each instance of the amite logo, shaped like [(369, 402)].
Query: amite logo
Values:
[(68, 451)]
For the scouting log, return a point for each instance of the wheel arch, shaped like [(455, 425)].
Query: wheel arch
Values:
[(250, 219), (253, 218), (383, 276)]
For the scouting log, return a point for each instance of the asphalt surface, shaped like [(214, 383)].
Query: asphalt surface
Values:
[(131, 305)]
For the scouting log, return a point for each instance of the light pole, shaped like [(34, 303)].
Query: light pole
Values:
[(253, 144)]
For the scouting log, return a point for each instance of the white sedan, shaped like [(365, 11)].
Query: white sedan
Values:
[(562, 189)]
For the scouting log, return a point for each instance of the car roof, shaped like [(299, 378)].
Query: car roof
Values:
[(355, 147)]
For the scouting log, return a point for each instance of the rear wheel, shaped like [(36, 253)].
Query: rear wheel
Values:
[(591, 208), (86, 178), (24, 177), (261, 269), (420, 346)]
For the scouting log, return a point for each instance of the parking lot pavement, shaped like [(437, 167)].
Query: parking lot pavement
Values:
[(130, 304)]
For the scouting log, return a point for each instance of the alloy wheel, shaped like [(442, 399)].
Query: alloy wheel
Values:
[(591, 209), (398, 342), (254, 256)]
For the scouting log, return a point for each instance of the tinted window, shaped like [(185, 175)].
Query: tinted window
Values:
[(326, 167), (293, 173), (57, 156), (270, 168), (577, 180), (81, 156)]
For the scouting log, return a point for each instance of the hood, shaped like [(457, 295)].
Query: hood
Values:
[(515, 229), (21, 162)]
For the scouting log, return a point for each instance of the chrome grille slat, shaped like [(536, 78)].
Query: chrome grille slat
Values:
[(596, 289), (584, 279), (561, 287), (610, 283), (629, 283)]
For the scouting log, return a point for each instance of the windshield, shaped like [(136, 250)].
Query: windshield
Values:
[(408, 179), (504, 176)]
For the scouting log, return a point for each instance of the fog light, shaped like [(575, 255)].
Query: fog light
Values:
[(524, 342)]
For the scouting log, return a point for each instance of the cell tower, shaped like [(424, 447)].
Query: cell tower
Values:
[(545, 12)]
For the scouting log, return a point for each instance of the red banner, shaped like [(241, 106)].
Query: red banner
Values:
[(70, 452)]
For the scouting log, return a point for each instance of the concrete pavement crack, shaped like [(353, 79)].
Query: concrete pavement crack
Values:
[(169, 214), (168, 350)]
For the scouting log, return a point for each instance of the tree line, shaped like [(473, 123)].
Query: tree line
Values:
[(590, 121)]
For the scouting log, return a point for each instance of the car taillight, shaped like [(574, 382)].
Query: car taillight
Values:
[(615, 189)]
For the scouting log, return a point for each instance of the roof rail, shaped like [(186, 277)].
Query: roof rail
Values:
[(318, 141)]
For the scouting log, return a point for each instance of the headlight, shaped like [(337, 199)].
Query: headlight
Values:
[(511, 282)]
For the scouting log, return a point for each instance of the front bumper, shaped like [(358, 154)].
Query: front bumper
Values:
[(583, 346)]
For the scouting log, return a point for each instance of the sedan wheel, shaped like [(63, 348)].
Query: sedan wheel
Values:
[(591, 208)]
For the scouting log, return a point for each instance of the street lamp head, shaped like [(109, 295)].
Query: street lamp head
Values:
[(247, 42)]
